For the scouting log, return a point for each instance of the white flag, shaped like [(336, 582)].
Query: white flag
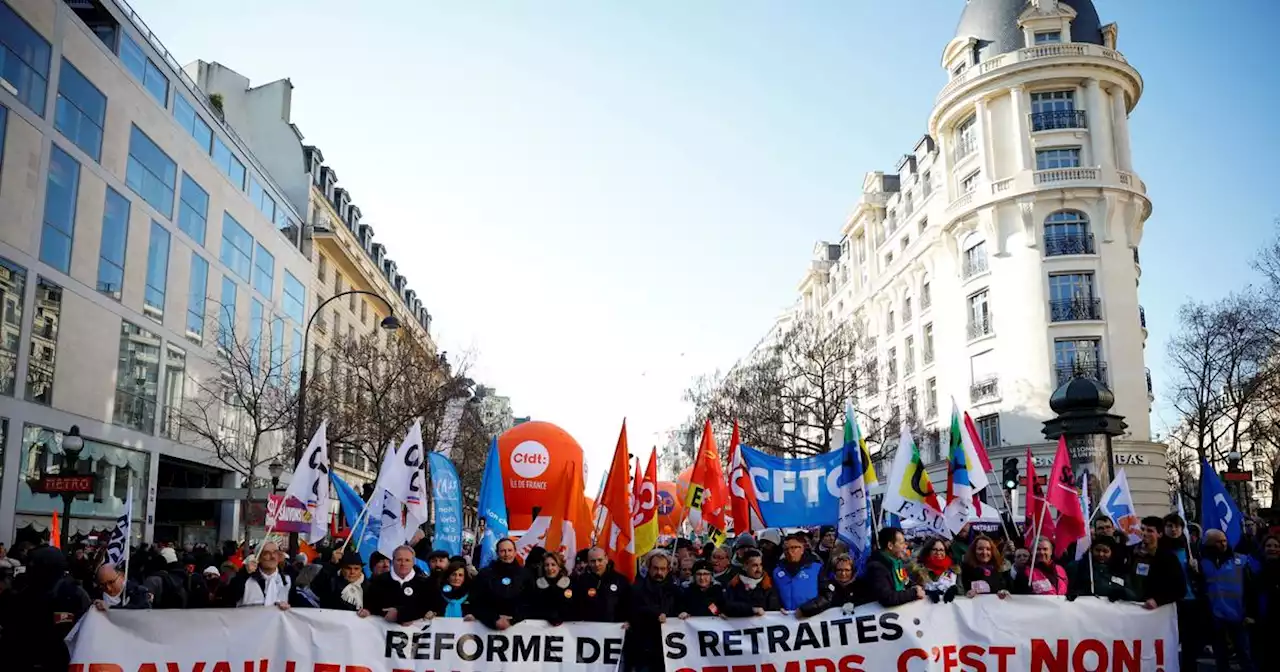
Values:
[(909, 493), (122, 535), (385, 508), (1117, 504), (450, 424), (310, 484), (405, 479)]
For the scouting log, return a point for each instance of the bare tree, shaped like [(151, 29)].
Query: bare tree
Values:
[(244, 411)]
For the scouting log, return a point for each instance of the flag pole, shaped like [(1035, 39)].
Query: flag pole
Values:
[(364, 513), (1044, 511)]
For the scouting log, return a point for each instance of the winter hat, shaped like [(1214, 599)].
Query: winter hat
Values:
[(771, 535), (744, 540), (702, 566), (170, 556), (211, 571)]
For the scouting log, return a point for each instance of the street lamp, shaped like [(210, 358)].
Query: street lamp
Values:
[(72, 444), (276, 469), (1083, 408), (389, 323)]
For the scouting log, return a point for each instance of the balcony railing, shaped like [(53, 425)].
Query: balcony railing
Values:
[(1072, 310), (1055, 175), (1142, 316), (1062, 244), (1135, 256), (927, 356), (1071, 49), (984, 390), (908, 366), (1151, 393), (980, 327), (1057, 120), (973, 266), (1083, 369)]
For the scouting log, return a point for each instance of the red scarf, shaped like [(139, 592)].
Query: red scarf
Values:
[(937, 566)]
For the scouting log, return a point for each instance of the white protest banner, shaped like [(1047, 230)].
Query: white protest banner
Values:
[(986, 634), (265, 639)]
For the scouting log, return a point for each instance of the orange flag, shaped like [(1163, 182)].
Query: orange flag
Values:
[(308, 550), (708, 494), (618, 539), (55, 531)]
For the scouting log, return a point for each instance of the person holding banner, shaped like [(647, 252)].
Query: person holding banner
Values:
[(885, 579), (1046, 576), (704, 597), (600, 594), (937, 576), (262, 583), (840, 592), (453, 599), (751, 593), (1155, 576), (798, 574), (498, 593), (983, 571), (402, 595), (1096, 576), (654, 597), (113, 591), (550, 598), (347, 592)]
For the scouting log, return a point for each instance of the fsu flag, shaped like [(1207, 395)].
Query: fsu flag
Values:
[(909, 491), (742, 492), (619, 536), (707, 497)]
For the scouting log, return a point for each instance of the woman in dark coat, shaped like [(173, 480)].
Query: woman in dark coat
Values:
[(982, 572), (839, 591), (549, 596), (453, 599)]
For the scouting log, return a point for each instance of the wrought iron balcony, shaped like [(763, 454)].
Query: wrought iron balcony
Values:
[(984, 390), (980, 327), (1135, 256), (927, 356), (1151, 393), (973, 266), (1072, 310), (1062, 244), (1058, 120), (1142, 316), (1083, 369)]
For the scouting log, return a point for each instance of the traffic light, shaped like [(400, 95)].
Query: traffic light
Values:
[(1010, 473)]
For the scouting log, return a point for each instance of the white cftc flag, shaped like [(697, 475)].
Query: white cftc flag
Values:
[(122, 535), (310, 484)]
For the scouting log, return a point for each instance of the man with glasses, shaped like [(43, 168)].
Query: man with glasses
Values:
[(113, 591), (798, 573)]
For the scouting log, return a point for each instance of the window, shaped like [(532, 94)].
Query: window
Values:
[(115, 240), (4, 125), (13, 293), (322, 268), (256, 325), (927, 343), (151, 173), (1071, 297), (237, 246), (321, 325), (891, 374), (888, 258), (44, 342), (1055, 110), (1058, 157), (926, 188), (926, 296), (889, 323), (974, 261), (966, 137), (931, 398), (81, 111), (232, 167), (227, 313), (989, 430), (1079, 358), (1053, 101), (364, 312), (261, 199), (175, 382), (1067, 232), (924, 224), (24, 60), (264, 271), (1049, 37), (337, 283), (909, 355), (295, 297), (277, 349), (979, 315), (185, 113), (970, 182), (59, 210), (351, 302), (193, 209), (906, 310), (144, 70), (157, 272), (295, 358), (197, 291), (137, 378), (906, 242)]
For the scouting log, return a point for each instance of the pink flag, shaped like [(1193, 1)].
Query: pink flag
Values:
[(1064, 495)]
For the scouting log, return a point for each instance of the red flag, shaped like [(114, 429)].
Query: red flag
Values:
[(971, 431), (644, 510), (707, 498), (1064, 495), (745, 508), (55, 531), (618, 538), (1035, 509)]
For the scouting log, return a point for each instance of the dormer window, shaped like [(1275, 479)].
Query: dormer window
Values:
[(353, 215), (330, 182), (1049, 37)]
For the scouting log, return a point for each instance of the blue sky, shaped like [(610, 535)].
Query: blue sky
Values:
[(603, 199)]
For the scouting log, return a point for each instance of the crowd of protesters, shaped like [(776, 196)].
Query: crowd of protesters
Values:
[(1222, 595)]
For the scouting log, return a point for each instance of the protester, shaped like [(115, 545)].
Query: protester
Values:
[(1095, 576), (400, 596), (722, 569), (827, 544), (166, 579), (704, 597), (1192, 616), (743, 543), (261, 582), (653, 598), (937, 576), (347, 588), (550, 598), (770, 542), (437, 563), (1227, 581), (379, 564), (684, 572), (38, 613), (837, 592), (1155, 575), (751, 592), (983, 571), (453, 595), (959, 544), (600, 594), (885, 579), (1267, 585), (498, 589), (113, 591), (797, 575), (1045, 577), (1021, 563)]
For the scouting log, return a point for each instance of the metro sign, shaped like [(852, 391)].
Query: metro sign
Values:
[(59, 485)]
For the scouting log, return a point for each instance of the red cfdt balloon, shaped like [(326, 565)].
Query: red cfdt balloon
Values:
[(534, 458), (670, 506)]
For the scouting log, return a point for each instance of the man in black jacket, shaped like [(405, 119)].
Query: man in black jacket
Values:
[(751, 592), (600, 594), (653, 599), (112, 591), (1155, 575), (402, 594), (885, 579)]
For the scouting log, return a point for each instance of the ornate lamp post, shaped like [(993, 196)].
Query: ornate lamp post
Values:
[(72, 444), (1083, 408)]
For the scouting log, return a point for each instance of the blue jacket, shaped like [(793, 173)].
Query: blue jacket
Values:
[(797, 585), (1225, 586)]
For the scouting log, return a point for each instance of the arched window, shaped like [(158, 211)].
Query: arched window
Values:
[(974, 259), (1067, 232)]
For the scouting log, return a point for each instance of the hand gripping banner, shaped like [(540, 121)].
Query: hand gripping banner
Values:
[(987, 634)]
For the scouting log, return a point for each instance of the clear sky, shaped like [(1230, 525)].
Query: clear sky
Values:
[(602, 199)]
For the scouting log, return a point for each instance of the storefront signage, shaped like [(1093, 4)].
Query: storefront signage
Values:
[(58, 485), (1122, 459)]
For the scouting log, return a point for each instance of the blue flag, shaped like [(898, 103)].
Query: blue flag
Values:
[(796, 492), (1217, 510), (364, 536), (854, 527), (446, 493), (492, 506)]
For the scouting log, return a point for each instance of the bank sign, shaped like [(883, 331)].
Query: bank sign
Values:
[(1120, 459)]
